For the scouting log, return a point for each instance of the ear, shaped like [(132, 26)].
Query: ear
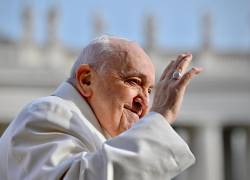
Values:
[(83, 80)]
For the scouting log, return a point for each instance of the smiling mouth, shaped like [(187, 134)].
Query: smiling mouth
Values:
[(138, 113)]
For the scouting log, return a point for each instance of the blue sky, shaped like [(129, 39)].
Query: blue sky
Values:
[(178, 21)]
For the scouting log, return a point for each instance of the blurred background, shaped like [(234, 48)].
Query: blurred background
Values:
[(39, 41)]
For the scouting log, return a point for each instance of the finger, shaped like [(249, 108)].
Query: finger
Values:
[(182, 66), (177, 63), (184, 81), (170, 66), (180, 57)]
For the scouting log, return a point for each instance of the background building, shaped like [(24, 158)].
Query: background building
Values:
[(215, 117)]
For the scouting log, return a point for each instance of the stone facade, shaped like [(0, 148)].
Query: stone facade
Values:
[(215, 117)]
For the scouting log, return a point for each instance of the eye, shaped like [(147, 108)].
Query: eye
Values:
[(134, 81), (149, 90)]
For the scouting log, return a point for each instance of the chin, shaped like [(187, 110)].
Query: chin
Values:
[(132, 118), (128, 120), (132, 121)]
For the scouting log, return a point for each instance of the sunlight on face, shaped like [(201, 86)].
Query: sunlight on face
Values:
[(121, 94)]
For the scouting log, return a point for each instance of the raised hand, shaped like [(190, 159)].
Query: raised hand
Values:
[(172, 85)]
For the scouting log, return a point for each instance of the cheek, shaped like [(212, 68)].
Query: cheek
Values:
[(119, 98), (117, 119), (122, 92), (126, 95)]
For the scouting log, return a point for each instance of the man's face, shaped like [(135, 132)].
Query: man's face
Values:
[(121, 93)]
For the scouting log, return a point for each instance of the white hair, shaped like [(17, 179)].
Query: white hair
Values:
[(95, 52)]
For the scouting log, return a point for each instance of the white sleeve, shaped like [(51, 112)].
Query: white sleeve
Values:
[(151, 149)]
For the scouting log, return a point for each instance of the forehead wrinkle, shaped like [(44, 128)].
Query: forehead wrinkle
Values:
[(125, 57)]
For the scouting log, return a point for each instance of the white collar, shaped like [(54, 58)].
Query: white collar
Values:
[(68, 92)]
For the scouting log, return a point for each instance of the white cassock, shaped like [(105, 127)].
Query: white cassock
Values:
[(59, 137)]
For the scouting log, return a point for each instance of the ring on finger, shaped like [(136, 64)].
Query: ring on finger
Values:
[(176, 75)]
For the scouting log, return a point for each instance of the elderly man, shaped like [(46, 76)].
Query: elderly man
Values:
[(97, 125)]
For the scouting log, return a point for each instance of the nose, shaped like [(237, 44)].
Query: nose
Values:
[(141, 104)]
